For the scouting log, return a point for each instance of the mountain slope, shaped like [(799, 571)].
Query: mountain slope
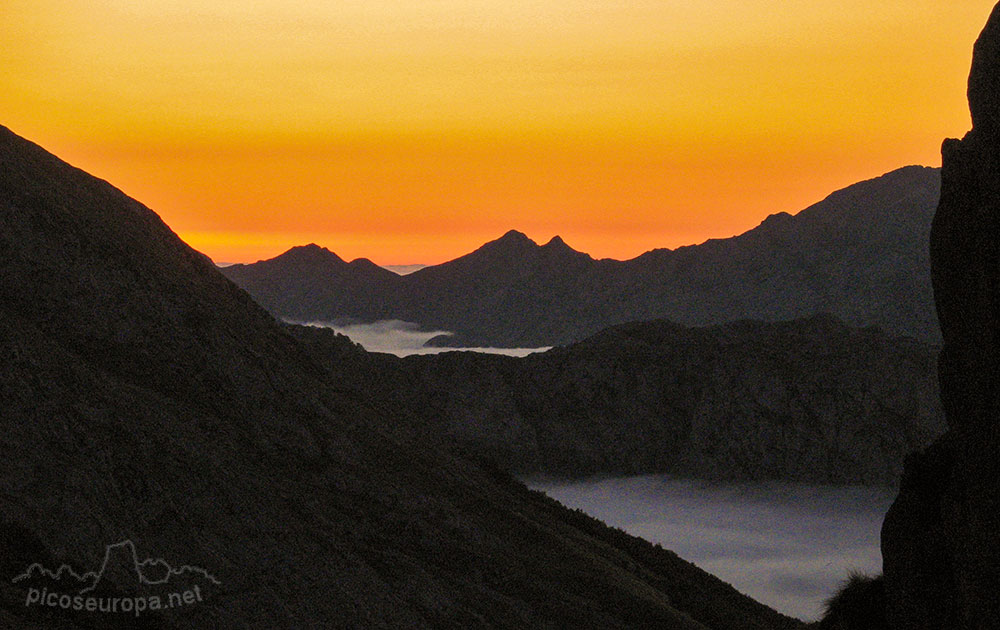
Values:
[(147, 399), (805, 400), (860, 254)]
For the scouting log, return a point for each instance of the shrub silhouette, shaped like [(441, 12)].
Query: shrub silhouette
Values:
[(858, 605)]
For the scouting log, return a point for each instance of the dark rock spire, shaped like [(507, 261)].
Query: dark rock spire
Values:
[(941, 538), (984, 82)]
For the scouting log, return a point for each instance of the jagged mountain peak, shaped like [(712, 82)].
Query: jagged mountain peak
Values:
[(558, 248), (556, 242), (512, 245)]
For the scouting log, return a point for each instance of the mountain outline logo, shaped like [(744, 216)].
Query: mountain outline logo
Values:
[(148, 572)]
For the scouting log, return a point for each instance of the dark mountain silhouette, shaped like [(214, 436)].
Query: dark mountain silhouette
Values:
[(325, 277), (941, 538), (860, 254), (145, 397), (807, 400)]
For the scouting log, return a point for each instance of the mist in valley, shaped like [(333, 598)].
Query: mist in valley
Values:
[(406, 338), (786, 545)]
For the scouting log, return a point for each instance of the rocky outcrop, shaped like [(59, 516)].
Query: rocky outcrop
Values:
[(941, 538), (810, 400), (860, 254)]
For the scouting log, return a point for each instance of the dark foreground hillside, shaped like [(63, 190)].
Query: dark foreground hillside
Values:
[(147, 399), (806, 400)]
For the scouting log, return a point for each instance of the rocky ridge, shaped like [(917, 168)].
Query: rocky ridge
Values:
[(861, 254)]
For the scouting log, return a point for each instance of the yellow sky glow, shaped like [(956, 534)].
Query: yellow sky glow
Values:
[(414, 133)]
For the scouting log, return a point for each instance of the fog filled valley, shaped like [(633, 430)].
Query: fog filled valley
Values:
[(404, 339), (787, 545)]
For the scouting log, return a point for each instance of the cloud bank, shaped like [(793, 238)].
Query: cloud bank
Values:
[(786, 545), (406, 338)]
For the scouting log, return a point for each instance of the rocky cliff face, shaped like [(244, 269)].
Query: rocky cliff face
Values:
[(941, 538)]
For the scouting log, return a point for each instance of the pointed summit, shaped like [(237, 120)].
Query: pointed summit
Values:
[(513, 236), (512, 243), (557, 244), (558, 247)]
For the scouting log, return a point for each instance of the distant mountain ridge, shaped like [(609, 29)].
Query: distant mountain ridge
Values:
[(860, 254)]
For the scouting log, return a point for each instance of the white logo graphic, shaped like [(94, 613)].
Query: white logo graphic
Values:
[(120, 568)]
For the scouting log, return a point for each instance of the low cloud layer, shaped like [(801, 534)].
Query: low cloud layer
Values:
[(405, 338), (403, 270), (786, 545)]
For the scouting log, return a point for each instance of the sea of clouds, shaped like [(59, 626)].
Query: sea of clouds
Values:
[(405, 338), (784, 544)]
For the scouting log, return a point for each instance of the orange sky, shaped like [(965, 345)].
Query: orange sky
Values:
[(415, 133)]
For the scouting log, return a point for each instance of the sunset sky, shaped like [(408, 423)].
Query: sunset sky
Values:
[(412, 132)]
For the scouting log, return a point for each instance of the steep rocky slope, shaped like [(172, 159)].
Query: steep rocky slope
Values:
[(806, 400), (860, 254), (147, 399)]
